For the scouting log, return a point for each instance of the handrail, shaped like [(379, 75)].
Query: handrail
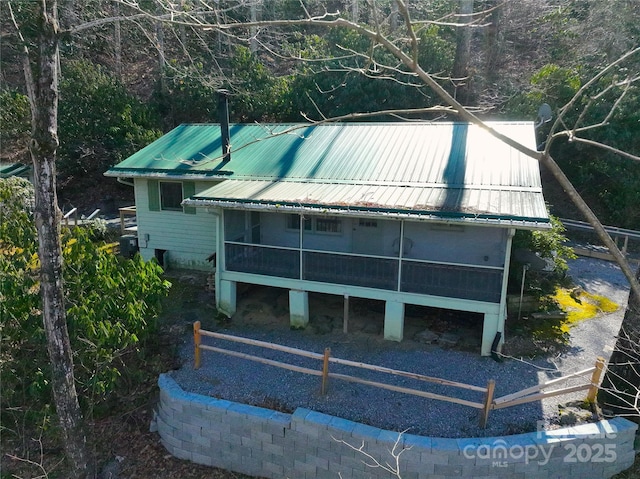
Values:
[(360, 255), (581, 225), (126, 211), (69, 213), (74, 212), (94, 214)]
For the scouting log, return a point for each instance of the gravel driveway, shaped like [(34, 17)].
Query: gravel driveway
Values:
[(245, 381)]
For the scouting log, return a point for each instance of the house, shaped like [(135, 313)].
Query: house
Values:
[(408, 213), (7, 170)]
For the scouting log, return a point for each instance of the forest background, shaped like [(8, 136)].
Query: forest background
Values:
[(124, 83), (131, 71)]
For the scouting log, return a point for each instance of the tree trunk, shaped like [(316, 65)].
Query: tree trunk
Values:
[(161, 57), (621, 382), (393, 18), (253, 41), (460, 71), (43, 146), (117, 41), (492, 46)]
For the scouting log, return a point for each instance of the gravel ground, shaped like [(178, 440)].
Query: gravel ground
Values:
[(249, 382)]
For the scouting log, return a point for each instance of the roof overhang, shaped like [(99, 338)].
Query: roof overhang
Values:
[(167, 174), (483, 206)]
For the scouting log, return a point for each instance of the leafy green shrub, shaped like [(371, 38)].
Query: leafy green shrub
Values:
[(111, 306), (15, 123), (549, 244)]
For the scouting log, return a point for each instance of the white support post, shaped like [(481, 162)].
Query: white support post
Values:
[(393, 321), (298, 309), (489, 329), (227, 304)]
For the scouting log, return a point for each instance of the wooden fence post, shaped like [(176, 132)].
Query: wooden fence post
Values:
[(595, 379), (196, 342), (488, 400), (325, 371), (345, 321)]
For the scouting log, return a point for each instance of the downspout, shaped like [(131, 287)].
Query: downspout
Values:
[(125, 182)]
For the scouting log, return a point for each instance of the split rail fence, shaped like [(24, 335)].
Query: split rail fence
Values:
[(485, 406)]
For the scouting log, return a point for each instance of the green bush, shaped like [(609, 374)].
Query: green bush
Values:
[(111, 307), (15, 123), (549, 245)]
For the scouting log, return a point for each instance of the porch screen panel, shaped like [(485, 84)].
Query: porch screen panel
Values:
[(377, 273), (284, 263), (452, 281)]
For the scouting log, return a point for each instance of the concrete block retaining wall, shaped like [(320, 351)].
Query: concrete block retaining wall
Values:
[(308, 444)]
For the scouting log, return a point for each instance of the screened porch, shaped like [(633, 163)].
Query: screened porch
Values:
[(391, 255)]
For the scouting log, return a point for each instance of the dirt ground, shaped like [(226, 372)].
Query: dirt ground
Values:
[(267, 307)]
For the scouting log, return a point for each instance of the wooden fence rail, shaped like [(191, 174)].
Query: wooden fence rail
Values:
[(526, 395), (533, 393)]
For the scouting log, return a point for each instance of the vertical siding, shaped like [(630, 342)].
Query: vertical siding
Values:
[(188, 238)]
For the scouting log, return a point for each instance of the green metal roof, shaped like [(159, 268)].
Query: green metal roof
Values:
[(445, 169), (13, 169)]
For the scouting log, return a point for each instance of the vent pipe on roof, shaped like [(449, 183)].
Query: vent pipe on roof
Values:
[(223, 114)]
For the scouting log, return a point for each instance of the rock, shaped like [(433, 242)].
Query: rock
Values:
[(153, 427), (322, 324), (371, 327), (111, 470), (448, 339), (426, 336), (568, 419)]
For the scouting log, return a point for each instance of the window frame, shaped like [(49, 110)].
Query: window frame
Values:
[(311, 224), (163, 205)]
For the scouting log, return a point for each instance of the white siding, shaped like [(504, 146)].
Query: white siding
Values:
[(188, 239)]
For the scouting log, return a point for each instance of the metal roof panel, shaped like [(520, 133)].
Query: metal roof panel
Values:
[(438, 167)]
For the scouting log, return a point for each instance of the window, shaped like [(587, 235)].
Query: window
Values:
[(367, 223), (293, 223), (314, 224), (170, 196), (167, 195), (328, 225)]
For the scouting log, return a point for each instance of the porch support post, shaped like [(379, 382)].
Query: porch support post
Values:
[(298, 309), (502, 314), (393, 321), (220, 259), (493, 322), (227, 302)]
